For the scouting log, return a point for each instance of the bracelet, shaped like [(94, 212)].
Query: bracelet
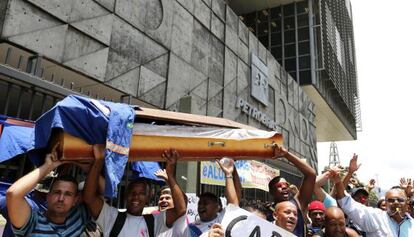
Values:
[(229, 176)]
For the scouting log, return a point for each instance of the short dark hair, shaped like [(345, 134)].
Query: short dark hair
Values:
[(65, 178), (143, 181), (213, 197), (162, 189), (254, 205), (398, 188), (273, 182), (380, 202), (210, 196)]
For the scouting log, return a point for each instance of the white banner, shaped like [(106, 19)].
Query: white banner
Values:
[(192, 207), (239, 222)]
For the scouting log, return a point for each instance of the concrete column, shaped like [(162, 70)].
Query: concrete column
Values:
[(186, 172)]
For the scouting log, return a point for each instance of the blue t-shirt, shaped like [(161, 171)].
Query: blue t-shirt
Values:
[(300, 225), (39, 226), (329, 201)]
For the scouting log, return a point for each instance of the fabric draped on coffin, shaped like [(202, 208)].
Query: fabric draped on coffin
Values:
[(96, 122)]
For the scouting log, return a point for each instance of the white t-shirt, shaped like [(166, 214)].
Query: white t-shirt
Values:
[(133, 226), (179, 228), (205, 226)]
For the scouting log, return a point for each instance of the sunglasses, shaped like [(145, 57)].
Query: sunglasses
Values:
[(282, 185), (392, 200), (363, 200)]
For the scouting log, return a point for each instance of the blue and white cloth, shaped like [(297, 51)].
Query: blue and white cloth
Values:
[(96, 122)]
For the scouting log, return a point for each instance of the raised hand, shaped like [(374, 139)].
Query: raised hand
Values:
[(334, 175), (354, 182), (371, 185), (161, 173), (216, 231), (353, 164), (227, 165), (170, 157), (52, 159), (403, 183), (409, 189), (279, 151)]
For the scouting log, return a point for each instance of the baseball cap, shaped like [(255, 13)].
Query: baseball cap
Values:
[(316, 205), (354, 191)]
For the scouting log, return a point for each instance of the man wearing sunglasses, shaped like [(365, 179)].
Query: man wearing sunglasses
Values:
[(279, 188), (375, 222)]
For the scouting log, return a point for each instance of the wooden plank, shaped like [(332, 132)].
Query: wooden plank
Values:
[(150, 148)]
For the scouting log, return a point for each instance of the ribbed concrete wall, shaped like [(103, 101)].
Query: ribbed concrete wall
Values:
[(161, 51)]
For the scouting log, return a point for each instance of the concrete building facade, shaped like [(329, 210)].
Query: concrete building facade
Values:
[(314, 41), (193, 56)]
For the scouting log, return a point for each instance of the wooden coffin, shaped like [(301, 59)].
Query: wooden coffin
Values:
[(204, 144)]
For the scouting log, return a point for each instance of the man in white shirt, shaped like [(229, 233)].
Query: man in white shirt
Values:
[(374, 221), (133, 223), (209, 207), (165, 202)]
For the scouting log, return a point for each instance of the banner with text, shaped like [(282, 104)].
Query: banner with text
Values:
[(253, 174), (239, 222)]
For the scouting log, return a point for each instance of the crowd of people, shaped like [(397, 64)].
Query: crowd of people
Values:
[(305, 211)]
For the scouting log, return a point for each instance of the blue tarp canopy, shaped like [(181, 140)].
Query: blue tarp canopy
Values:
[(15, 137), (96, 122)]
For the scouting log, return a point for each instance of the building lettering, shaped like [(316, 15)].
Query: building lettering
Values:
[(256, 114), (259, 80)]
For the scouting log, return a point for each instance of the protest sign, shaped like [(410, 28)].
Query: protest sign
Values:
[(239, 222), (192, 207), (253, 174)]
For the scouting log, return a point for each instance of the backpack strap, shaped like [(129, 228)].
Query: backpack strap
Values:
[(119, 223), (149, 220), (194, 230)]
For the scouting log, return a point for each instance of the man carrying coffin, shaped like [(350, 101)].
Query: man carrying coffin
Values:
[(279, 188), (210, 208), (63, 217), (132, 222)]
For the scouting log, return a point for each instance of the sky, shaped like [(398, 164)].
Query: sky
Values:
[(384, 42)]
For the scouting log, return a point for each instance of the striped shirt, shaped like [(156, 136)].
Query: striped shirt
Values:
[(39, 225)]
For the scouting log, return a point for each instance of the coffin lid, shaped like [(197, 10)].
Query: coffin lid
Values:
[(186, 118)]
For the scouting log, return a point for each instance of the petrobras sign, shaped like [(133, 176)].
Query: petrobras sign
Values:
[(259, 81), (255, 113), (253, 174)]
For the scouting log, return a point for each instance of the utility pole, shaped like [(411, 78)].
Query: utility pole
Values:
[(333, 155), (333, 159)]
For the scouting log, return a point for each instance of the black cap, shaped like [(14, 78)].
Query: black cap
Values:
[(354, 191)]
